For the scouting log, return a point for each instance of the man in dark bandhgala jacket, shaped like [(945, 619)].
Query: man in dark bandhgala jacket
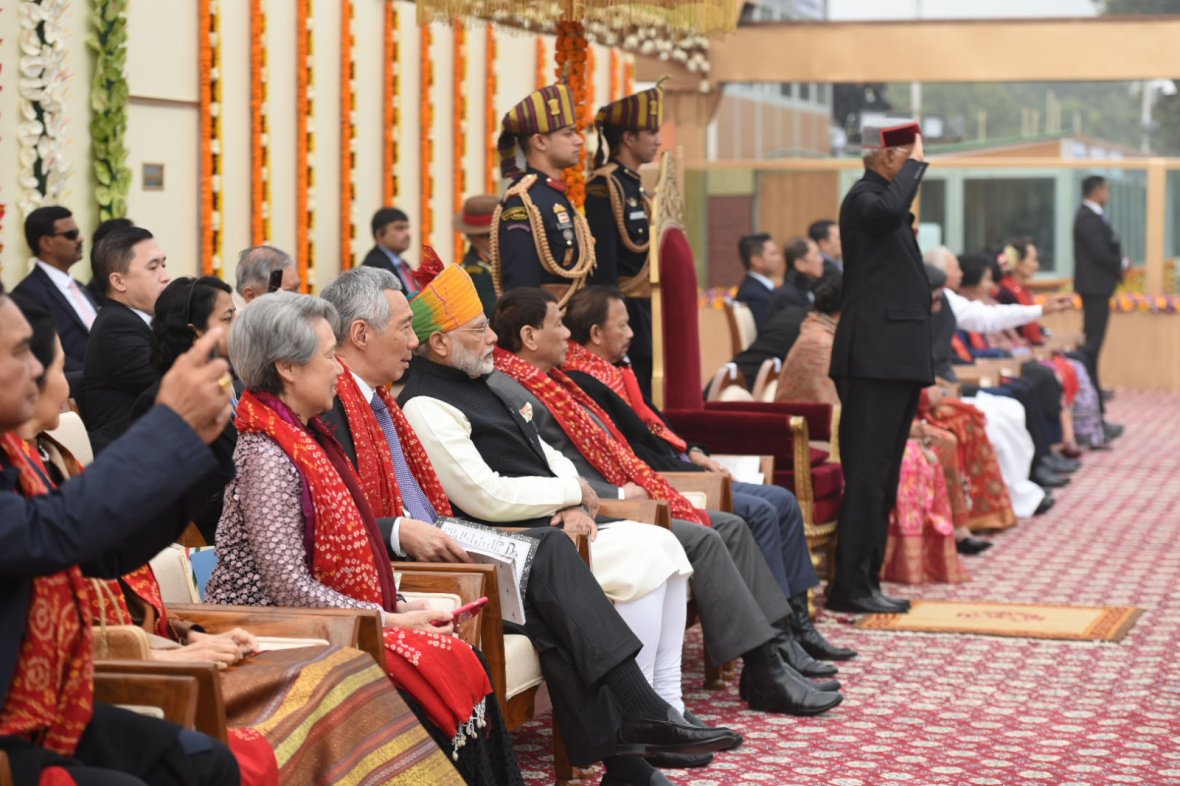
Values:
[(1098, 266), (132, 501), (480, 450), (881, 357)]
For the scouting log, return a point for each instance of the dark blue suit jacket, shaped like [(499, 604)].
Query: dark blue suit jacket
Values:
[(37, 286), (754, 294), (378, 258), (134, 500)]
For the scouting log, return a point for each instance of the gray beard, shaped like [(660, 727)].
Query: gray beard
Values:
[(473, 364)]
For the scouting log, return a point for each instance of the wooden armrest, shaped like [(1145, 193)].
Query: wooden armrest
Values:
[(121, 642), (717, 488), (647, 511), (5, 770), (469, 585), (977, 375), (490, 620), (358, 628), (188, 693), (1001, 367)]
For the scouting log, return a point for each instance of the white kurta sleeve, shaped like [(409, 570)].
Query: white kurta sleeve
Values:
[(976, 317), (445, 433)]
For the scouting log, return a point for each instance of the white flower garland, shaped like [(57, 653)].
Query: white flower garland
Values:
[(42, 90)]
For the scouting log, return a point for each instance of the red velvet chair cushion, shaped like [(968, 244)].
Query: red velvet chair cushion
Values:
[(682, 357), (827, 480), (818, 416), (827, 509), (818, 457)]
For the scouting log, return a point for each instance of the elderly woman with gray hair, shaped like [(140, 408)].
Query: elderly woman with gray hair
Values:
[(297, 530)]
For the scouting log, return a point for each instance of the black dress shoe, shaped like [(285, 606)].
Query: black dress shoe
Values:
[(970, 545), (1112, 430), (1061, 465), (1107, 395), (679, 761), (644, 737), (773, 686), (869, 604), (693, 720), (1046, 505), (901, 603), (1046, 479), (809, 637), (828, 686), (798, 659)]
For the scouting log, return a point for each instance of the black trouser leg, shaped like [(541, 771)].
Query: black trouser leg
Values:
[(874, 424), (1095, 316), (579, 637)]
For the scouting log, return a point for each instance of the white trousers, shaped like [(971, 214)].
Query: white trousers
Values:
[(658, 620), (1014, 449)]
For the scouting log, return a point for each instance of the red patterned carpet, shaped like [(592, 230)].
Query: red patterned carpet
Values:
[(933, 710)]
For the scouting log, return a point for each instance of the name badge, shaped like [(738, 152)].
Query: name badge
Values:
[(635, 215), (563, 216)]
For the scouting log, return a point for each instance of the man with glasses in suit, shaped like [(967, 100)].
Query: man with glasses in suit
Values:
[(54, 238)]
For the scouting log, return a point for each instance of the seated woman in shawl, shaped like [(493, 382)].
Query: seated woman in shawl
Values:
[(256, 734), (297, 529), (1020, 263)]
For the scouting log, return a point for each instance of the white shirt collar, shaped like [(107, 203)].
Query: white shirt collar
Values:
[(366, 390), (145, 316), (761, 279), (1097, 208), (60, 278)]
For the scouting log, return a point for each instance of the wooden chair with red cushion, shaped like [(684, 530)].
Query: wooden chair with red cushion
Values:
[(784, 430)]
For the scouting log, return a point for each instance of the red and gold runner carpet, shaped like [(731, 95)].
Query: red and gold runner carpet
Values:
[(989, 711), (1019, 620)]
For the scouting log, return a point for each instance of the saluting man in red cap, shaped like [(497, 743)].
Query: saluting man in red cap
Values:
[(881, 358)]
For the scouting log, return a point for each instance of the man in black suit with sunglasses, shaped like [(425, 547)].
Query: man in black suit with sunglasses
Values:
[(54, 238)]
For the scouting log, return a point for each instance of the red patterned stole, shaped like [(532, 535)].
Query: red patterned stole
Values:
[(442, 673), (51, 698), (374, 464), (1031, 331), (110, 608), (608, 453), (623, 382)]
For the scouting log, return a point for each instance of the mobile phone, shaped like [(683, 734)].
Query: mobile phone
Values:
[(463, 613), (276, 281)]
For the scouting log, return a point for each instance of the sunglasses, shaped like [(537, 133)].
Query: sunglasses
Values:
[(70, 234)]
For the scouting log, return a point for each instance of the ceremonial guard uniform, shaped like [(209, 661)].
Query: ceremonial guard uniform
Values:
[(540, 239), (618, 209)]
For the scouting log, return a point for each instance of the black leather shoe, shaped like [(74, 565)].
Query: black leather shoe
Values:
[(1061, 465), (828, 686), (970, 545), (797, 658), (1046, 505), (679, 761), (693, 720), (1046, 479), (1107, 395), (644, 737), (869, 604), (809, 637), (656, 778), (776, 687), (1112, 430), (900, 603)]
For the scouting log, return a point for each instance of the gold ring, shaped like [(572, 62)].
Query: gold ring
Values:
[(227, 383)]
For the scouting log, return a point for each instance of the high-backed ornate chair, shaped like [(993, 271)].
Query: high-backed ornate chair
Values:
[(782, 430)]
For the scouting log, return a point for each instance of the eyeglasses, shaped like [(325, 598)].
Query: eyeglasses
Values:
[(480, 329), (69, 234)]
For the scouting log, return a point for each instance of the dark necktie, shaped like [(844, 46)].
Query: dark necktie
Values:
[(413, 497)]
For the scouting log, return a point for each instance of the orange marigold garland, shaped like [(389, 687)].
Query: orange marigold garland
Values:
[(391, 115), (206, 46), (614, 76), (571, 59), (347, 135), (541, 61), (426, 138), (629, 75), (491, 123), (304, 145), (458, 124), (259, 128)]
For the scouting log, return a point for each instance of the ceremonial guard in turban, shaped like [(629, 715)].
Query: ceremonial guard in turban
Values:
[(881, 356), (540, 238), (619, 212)]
